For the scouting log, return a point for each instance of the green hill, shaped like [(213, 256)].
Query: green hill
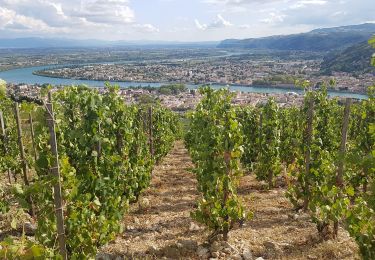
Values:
[(355, 59), (326, 39)]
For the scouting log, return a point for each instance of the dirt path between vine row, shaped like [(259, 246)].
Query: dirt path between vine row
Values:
[(172, 197), (164, 229)]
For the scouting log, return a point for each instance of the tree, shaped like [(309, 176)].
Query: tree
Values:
[(147, 99)]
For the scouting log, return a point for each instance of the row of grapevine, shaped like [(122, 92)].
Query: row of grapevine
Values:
[(105, 158), (360, 174), (215, 144), (327, 150), (324, 148)]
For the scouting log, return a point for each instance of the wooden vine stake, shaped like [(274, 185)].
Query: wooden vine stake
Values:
[(4, 134), (23, 156), (227, 160), (309, 129), (20, 145), (144, 121), (99, 144), (56, 173), (151, 141), (260, 131), (340, 168), (33, 135)]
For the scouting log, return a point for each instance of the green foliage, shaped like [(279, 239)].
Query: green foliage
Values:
[(303, 84), (9, 150), (372, 43), (291, 134), (4, 203), (360, 219), (95, 174), (361, 141), (104, 158), (354, 59), (24, 249), (172, 89), (215, 142), (315, 41), (165, 128), (106, 177), (360, 174), (147, 99), (360, 223), (105, 162), (249, 118), (276, 79), (269, 165), (45, 88), (327, 202), (3, 88)]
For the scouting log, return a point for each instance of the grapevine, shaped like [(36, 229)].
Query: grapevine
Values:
[(215, 143), (268, 161), (104, 160)]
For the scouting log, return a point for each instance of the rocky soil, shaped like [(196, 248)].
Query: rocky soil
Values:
[(160, 226)]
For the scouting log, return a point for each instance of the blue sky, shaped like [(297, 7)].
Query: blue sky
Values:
[(176, 20)]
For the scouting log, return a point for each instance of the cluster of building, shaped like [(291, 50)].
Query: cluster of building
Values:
[(184, 101), (181, 102), (217, 71), (346, 82), (220, 71), (31, 91)]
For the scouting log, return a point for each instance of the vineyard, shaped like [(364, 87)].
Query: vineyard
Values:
[(94, 151), (325, 148), (78, 163)]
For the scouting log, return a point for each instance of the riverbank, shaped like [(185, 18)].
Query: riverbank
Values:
[(26, 76), (288, 87)]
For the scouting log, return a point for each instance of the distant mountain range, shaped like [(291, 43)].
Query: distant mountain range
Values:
[(355, 59), (326, 39), (38, 42)]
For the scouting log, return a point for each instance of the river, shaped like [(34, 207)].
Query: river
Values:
[(25, 75)]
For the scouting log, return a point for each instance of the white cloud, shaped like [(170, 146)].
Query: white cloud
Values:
[(319, 13), (136, 19), (9, 19), (82, 18), (105, 11), (238, 2), (274, 17), (6, 16), (49, 12), (244, 26), (65, 13), (220, 22), (339, 13), (149, 28), (304, 3), (199, 25)]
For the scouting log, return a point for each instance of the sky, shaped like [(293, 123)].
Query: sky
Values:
[(176, 20)]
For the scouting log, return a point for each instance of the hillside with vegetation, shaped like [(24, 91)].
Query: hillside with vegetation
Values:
[(354, 59), (316, 40)]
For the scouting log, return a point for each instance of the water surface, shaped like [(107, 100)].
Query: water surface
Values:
[(25, 75)]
